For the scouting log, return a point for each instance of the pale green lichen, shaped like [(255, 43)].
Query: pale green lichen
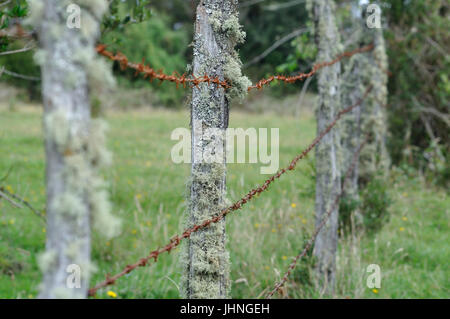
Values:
[(36, 12), (47, 260), (96, 7), (239, 82), (231, 29)]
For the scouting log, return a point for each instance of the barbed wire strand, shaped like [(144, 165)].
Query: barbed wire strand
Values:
[(321, 225), (316, 67), (151, 74), (175, 241)]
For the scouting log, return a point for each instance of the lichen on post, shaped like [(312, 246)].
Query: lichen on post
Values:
[(205, 260), (328, 174), (77, 198)]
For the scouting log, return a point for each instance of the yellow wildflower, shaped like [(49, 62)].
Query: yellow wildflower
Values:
[(293, 205), (112, 294)]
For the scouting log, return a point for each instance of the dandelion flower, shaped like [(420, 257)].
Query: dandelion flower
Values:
[(375, 291), (402, 228), (293, 205), (112, 294)]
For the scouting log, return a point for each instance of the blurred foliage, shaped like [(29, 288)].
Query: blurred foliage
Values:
[(374, 207), (10, 15), (160, 45), (370, 211), (419, 89)]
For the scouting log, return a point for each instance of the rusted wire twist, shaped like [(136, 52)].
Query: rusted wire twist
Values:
[(175, 241), (316, 67), (195, 81), (321, 225), (151, 74)]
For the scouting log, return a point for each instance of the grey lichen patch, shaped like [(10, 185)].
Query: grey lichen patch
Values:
[(229, 26)]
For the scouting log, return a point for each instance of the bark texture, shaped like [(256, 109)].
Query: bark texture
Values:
[(375, 157), (74, 145), (217, 31), (354, 84), (328, 175)]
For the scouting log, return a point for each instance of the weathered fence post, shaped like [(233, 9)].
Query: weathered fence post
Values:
[(375, 157), (217, 31), (328, 183), (74, 144), (353, 86)]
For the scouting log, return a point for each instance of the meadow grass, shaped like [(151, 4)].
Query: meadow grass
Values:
[(148, 192)]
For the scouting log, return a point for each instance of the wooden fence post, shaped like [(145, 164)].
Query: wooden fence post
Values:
[(205, 259), (328, 175)]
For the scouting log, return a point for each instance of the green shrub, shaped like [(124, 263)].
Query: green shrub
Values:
[(162, 46), (375, 202)]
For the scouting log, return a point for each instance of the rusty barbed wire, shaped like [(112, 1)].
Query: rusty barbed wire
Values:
[(322, 223), (316, 67), (159, 75), (195, 81), (175, 241)]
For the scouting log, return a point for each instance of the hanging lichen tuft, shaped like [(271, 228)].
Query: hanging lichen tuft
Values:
[(77, 196)]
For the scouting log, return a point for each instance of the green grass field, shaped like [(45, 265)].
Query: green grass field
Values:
[(148, 193)]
